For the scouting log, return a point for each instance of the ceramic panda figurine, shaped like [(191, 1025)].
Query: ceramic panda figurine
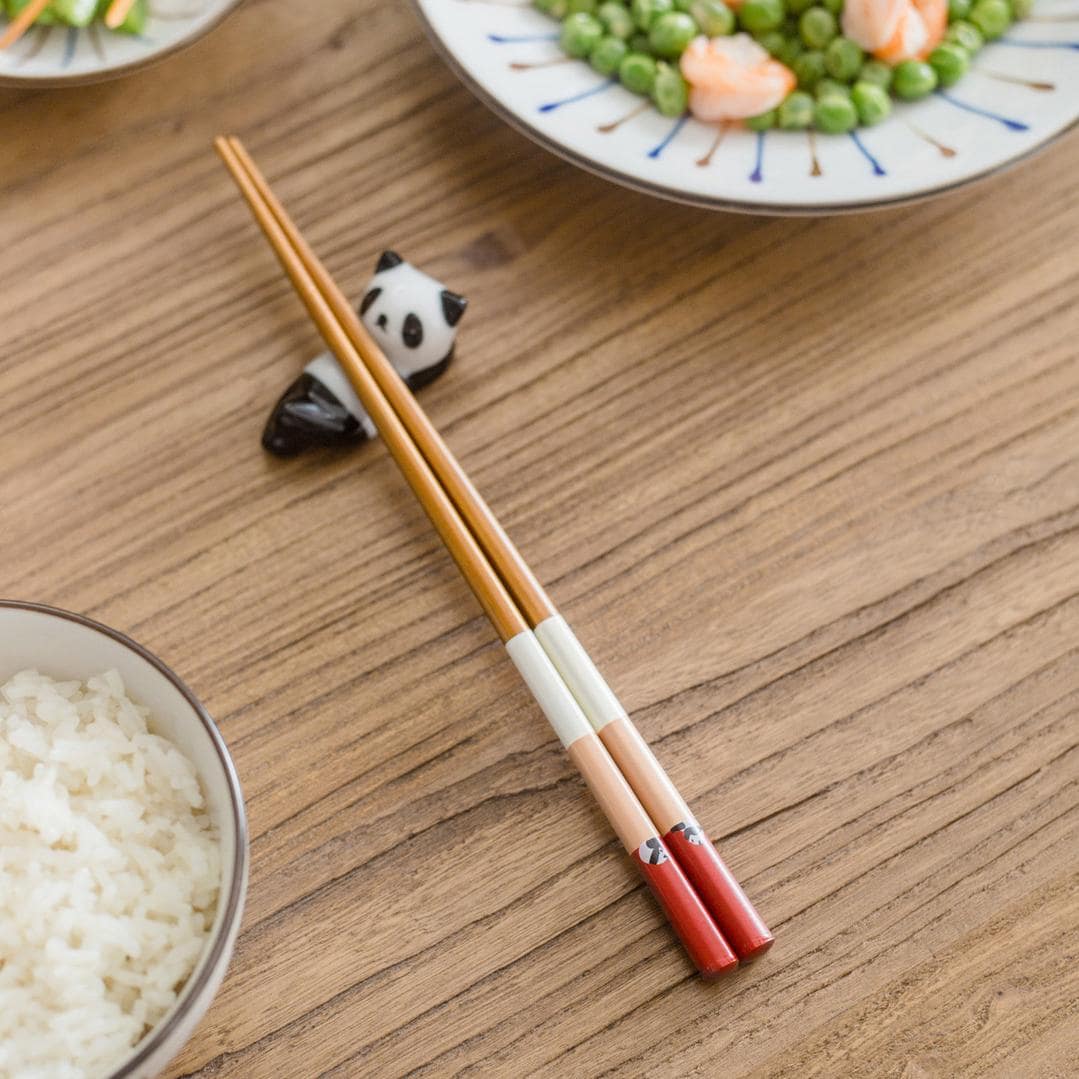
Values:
[(414, 320)]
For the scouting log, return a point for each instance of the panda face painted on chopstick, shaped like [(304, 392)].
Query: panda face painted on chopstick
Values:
[(412, 317)]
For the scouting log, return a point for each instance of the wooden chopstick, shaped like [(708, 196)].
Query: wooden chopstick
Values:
[(22, 22), (723, 896), (686, 913)]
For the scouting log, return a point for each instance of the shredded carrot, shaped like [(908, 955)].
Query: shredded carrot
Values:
[(22, 22), (117, 12)]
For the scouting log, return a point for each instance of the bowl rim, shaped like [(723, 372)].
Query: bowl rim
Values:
[(118, 71), (233, 906), (672, 194)]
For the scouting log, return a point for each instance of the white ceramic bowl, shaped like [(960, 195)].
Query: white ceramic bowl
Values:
[(64, 645), (1021, 93), (64, 56)]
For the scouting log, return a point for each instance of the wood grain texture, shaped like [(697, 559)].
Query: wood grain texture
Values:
[(809, 491)]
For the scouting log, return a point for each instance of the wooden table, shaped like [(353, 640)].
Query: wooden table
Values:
[(808, 490)]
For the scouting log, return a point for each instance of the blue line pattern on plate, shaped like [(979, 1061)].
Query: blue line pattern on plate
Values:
[(520, 39), (591, 92), (878, 168), (758, 168), (71, 42), (671, 135), (1011, 125)]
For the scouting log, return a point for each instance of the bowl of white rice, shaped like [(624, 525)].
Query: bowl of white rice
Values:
[(123, 852)]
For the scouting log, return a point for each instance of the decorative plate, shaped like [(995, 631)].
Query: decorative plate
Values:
[(1020, 93), (65, 55)]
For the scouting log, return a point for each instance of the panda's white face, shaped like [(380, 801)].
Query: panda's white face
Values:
[(409, 314)]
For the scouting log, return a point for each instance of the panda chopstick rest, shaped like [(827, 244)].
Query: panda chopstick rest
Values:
[(413, 318)]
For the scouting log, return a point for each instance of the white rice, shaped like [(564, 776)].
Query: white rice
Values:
[(109, 871)]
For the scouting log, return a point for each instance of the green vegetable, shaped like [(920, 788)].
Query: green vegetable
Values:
[(555, 8), (958, 9), (608, 54), (843, 59), (914, 79), (576, 6), (796, 7), (713, 17), (616, 19), (835, 114), (669, 91), (671, 33), (876, 72), (756, 16), (809, 68), (772, 40), (791, 49), (834, 6), (640, 43), (1021, 8), (762, 122), (965, 34), (645, 12), (638, 73), (817, 27), (991, 17), (950, 62), (831, 88), (796, 113), (46, 18), (871, 101), (581, 33)]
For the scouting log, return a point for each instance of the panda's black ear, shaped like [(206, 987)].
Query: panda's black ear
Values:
[(387, 260), (453, 306)]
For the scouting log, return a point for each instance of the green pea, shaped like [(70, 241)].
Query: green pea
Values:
[(959, 9), (762, 122), (965, 34), (555, 8), (645, 12), (843, 59), (608, 54), (817, 27), (580, 34), (640, 43), (796, 7), (772, 40), (637, 72), (670, 92), (796, 113), (914, 79), (792, 48), (831, 88), (809, 68), (671, 33), (991, 17), (871, 101), (950, 62), (876, 72), (575, 7), (713, 17), (756, 16), (617, 19), (1021, 8), (835, 114), (834, 6)]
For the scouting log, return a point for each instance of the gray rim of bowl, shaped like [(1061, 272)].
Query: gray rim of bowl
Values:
[(196, 984), (58, 82), (673, 194)]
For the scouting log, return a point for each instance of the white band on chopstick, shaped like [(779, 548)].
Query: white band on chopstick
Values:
[(562, 711), (575, 665)]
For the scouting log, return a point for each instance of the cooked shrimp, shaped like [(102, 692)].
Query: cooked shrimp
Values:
[(732, 78), (909, 39), (873, 23), (935, 14)]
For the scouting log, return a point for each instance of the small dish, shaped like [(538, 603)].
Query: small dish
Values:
[(1021, 93), (64, 645), (66, 56)]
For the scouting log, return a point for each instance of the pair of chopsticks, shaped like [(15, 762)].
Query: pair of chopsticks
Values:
[(114, 16), (701, 898)]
